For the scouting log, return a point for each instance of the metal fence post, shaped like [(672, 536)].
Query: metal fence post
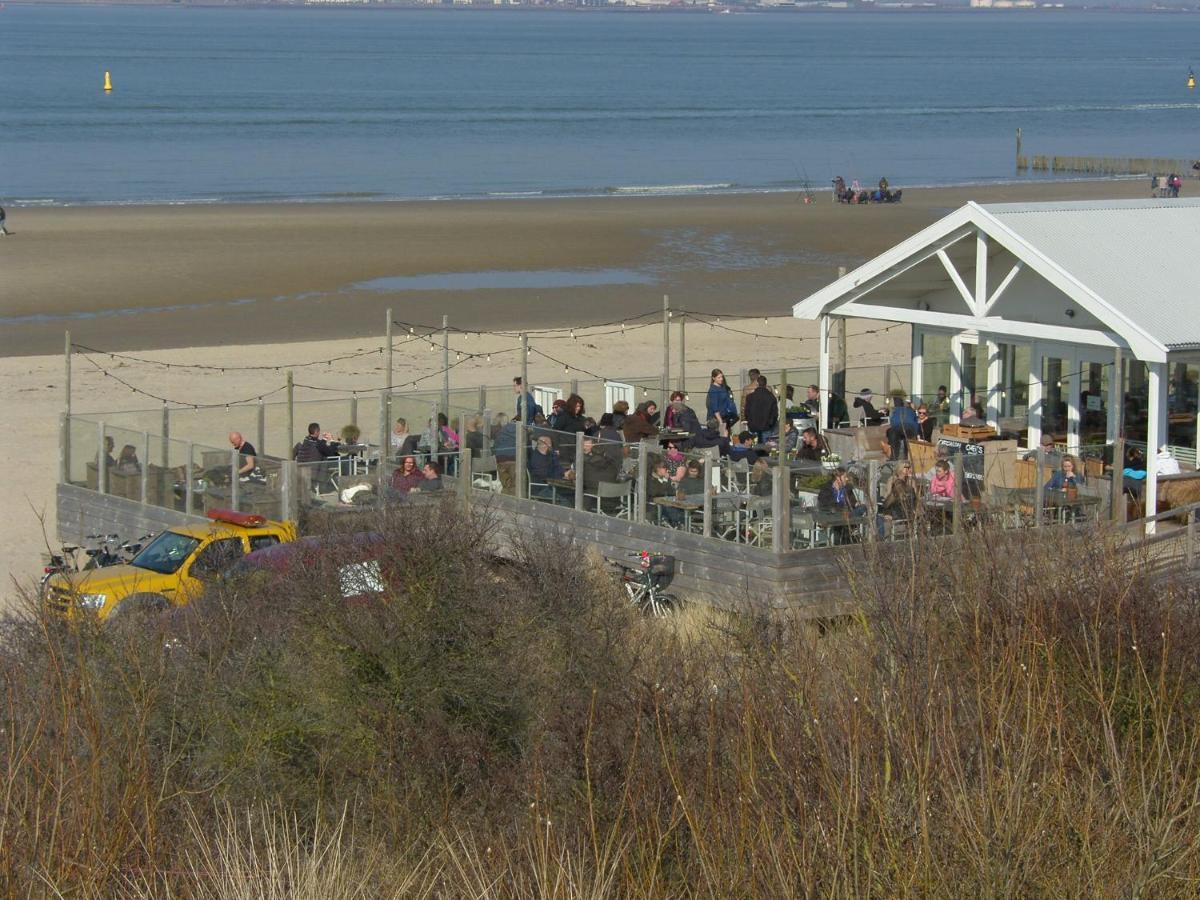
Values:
[(521, 475), (291, 412), (446, 365), (873, 499), (682, 355), (579, 464), (708, 495), (385, 436), (287, 475), (354, 408), (1117, 500), (642, 483), (102, 461), (666, 372), (234, 479), (464, 461), (166, 437), (780, 538), (482, 398), (144, 488)]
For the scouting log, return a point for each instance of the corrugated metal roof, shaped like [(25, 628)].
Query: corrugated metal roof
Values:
[(1142, 258)]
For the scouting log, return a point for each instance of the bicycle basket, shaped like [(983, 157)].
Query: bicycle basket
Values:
[(661, 569)]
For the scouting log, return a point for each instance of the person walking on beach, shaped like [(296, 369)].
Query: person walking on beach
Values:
[(3, 230)]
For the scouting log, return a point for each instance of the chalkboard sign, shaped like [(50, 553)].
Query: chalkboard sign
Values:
[(972, 456)]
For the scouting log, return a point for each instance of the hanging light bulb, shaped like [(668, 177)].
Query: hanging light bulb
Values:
[(572, 334), (566, 370), (489, 357)]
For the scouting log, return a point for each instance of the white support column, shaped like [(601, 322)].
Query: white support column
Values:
[(823, 379), (1037, 395), (917, 375), (956, 379), (995, 372), (1155, 435), (1116, 398), (981, 273)]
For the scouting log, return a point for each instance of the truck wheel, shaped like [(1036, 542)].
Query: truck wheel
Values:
[(138, 607)]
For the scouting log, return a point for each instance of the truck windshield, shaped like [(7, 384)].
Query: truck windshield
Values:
[(166, 553)]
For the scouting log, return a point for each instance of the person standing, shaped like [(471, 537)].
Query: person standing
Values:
[(3, 229), (762, 409)]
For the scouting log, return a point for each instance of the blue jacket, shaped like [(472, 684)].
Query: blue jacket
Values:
[(720, 402), (505, 447), (531, 411), (1058, 481), (904, 418), (544, 466)]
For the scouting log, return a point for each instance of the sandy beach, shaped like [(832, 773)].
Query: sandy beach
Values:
[(278, 284)]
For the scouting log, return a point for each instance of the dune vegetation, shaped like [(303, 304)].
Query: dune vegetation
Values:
[(1011, 714)]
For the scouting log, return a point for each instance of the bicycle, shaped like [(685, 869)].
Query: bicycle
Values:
[(646, 577), (105, 551)]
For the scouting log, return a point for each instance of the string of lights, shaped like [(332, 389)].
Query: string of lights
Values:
[(181, 403), (84, 348)]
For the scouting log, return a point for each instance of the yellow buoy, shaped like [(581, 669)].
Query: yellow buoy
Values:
[(107, 81), (1191, 82)]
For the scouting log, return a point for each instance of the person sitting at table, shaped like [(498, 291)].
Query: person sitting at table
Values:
[(812, 446), (544, 464), (407, 477), (596, 468), (866, 402), (558, 409), (942, 482), (925, 424), (673, 455), (761, 478), (680, 416), (1067, 475), (973, 415), (315, 447), (710, 436), (762, 410), (110, 461), (612, 442), (743, 448), (838, 497), (431, 479), (1050, 456), (901, 501), (692, 482), (403, 443), (661, 484), (127, 461), (638, 426), (573, 419), (504, 448), (473, 436)]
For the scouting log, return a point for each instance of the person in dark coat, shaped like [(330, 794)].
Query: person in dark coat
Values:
[(680, 416), (639, 426), (762, 409), (710, 436), (572, 420), (866, 402)]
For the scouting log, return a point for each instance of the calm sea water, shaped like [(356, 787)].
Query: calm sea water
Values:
[(289, 104)]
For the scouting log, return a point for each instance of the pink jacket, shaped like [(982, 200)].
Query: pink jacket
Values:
[(941, 485)]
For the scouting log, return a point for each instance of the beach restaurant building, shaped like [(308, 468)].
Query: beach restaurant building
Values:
[(1079, 320)]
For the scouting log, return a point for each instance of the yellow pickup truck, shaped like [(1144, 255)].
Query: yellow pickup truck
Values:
[(169, 571)]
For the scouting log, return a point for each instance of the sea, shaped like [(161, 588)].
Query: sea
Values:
[(213, 105)]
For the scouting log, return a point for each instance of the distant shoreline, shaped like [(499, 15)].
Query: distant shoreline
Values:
[(623, 192), (561, 9)]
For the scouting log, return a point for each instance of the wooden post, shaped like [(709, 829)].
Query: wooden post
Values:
[(65, 442), (823, 376), (1039, 486), (446, 365), (708, 494), (682, 354), (579, 463), (102, 461), (287, 477), (779, 427), (574, 385), (261, 430), (482, 399), (781, 507), (291, 413), (166, 436), (385, 437), (390, 368), (234, 478), (644, 450), (522, 473), (189, 488), (464, 461), (1191, 537), (959, 475), (666, 372), (1117, 500), (354, 408), (887, 379), (143, 489), (873, 499)]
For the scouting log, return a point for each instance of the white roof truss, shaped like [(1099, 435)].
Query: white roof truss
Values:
[(844, 297)]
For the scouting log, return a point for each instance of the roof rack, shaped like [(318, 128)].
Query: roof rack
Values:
[(233, 517)]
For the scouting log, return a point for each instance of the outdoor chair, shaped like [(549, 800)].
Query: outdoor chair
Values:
[(608, 490)]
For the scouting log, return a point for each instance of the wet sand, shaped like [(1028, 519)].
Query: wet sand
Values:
[(123, 278)]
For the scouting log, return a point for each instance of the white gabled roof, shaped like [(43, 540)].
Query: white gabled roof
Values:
[(1133, 264)]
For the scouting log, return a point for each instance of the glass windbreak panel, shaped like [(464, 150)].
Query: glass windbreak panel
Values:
[(974, 389), (935, 371), (1055, 387), (1015, 396), (1182, 404), (1093, 403), (1137, 396)]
